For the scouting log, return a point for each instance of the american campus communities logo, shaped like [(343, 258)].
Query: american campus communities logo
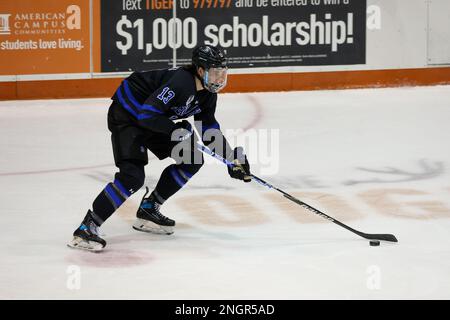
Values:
[(41, 23), (4, 24), (37, 30)]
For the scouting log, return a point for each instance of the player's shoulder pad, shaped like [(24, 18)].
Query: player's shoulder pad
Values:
[(183, 75), (181, 81)]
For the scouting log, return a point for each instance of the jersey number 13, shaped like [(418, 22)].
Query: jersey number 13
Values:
[(166, 95)]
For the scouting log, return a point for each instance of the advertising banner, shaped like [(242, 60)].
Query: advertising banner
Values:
[(45, 36), (141, 34)]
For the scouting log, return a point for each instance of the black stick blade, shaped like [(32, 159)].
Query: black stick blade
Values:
[(384, 237)]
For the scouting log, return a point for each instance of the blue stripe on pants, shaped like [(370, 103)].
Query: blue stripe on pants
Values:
[(177, 177), (117, 200), (122, 188)]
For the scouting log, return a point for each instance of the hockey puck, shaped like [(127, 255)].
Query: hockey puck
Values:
[(374, 243)]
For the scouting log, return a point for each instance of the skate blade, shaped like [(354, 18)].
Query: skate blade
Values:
[(151, 227), (81, 244)]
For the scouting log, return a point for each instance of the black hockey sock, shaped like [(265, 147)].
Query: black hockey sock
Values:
[(172, 179), (108, 201)]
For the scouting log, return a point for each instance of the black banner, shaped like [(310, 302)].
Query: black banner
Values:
[(139, 34)]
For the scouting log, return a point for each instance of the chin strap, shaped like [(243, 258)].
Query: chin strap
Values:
[(199, 78)]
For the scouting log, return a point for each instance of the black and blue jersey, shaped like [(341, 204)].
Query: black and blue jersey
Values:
[(155, 98)]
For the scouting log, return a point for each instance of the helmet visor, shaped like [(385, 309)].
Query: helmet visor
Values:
[(215, 79)]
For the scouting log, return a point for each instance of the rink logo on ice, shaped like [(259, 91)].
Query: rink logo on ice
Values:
[(374, 279), (73, 277), (4, 24)]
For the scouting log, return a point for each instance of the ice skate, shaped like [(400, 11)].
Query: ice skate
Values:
[(86, 236), (150, 219)]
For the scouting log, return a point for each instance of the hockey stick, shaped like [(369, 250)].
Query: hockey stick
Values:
[(370, 236)]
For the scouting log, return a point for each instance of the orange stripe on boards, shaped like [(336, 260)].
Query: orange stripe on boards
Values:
[(54, 89), (105, 87), (337, 80), (8, 91)]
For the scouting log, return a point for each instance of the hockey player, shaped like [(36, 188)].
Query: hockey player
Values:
[(140, 118)]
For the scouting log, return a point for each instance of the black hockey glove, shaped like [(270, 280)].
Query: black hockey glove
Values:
[(182, 131), (241, 168)]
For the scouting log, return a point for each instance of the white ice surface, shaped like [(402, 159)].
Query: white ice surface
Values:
[(236, 240)]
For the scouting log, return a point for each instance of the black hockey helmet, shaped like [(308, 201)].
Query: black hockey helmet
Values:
[(207, 56), (214, 62)]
